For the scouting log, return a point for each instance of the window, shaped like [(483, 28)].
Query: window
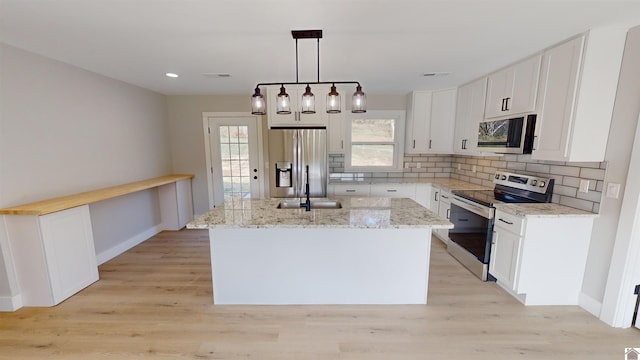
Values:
[(376, 140)]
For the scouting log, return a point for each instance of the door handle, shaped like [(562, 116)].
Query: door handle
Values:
[(430, 143), (502, 107), (414, 144), (448, 213), (505, 221), (506, 104)]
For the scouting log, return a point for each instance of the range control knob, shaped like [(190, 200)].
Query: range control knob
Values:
[(542, 183), (497, 176), (504, 177), (534, 182)]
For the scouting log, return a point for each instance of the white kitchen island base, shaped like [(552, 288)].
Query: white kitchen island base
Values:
[(320, 265)]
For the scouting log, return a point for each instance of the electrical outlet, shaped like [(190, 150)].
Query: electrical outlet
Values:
[(613, 190), (584, 186), (473, 168)]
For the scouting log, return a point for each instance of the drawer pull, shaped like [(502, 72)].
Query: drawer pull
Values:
[(350, 190), (505, 221), (392, 190)]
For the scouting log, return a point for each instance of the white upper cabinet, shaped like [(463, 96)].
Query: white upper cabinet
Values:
[(578, 85), (417, 125), (513, 90), (469, 112), (430, 122), (297, 118), (335, 131)]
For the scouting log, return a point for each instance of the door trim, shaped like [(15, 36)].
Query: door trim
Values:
[(207, 148)]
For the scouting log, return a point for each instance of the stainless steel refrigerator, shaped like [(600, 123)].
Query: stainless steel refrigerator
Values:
[(290, 152)]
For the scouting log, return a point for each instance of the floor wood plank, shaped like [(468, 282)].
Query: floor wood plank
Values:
[(155, 301)]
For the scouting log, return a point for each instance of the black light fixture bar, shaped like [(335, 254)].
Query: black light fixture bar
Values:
[(308, 82)]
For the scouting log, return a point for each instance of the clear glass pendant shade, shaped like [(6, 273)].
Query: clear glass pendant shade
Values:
[(308, 101), (257, 103), (333, 101), (284, 102), (359, 101)]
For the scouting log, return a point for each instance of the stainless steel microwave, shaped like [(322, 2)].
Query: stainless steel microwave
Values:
[(507, 136)]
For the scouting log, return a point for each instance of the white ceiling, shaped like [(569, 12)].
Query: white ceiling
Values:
[(386, 45)]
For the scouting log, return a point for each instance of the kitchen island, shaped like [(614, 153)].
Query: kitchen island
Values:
[(369, 251)]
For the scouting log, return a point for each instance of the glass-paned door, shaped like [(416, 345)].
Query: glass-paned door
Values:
[(234, 158)]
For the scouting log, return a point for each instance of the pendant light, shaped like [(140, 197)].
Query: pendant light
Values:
[(257, 103), (359, 101), (308, 101), (283, 103), (333, 101)]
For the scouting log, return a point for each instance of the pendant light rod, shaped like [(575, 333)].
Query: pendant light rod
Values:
[(296, 60), (317, 52)]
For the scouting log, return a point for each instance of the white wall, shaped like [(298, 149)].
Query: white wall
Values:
[(621, 136), (65, 130)]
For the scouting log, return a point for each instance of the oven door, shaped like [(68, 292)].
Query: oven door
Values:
[(470, 239)]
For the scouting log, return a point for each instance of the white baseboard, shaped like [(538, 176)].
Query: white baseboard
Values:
[(590, 304), (10, 303), (128, 244)]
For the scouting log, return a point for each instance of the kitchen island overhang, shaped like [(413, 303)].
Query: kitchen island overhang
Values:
[(371, 251)]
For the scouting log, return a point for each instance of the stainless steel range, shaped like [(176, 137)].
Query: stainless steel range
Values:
[(472, 214)]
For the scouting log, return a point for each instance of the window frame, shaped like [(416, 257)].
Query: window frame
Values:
[(398, 151)]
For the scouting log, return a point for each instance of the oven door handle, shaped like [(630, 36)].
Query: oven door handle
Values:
[(486, 212)]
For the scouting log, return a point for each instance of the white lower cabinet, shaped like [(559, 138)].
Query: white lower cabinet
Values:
[(54, 254), (540, 259), (423, 195), (443, 208), (349, 189), (394, 190)]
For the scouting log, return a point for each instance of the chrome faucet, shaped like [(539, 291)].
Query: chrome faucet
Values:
[(307, 204)]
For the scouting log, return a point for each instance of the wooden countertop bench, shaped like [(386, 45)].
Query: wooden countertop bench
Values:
[(66, 202)]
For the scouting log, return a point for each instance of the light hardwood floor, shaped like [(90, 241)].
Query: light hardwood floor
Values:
[(155, 301)]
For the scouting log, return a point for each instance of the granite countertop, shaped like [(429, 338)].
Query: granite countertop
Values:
[(443, 183), (542, 210), (356, 212)]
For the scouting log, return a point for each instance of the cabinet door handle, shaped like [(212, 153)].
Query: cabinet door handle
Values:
[(506, 104), (534, 146), (502, 107), (342, 144), (464, 144), (494, 237), (448, 213), (430, 143), (414, 144), (444, 196), (350, 190), (392, 190), (505, 221), (435, 196)]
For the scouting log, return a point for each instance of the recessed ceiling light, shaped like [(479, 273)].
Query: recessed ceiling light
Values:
[(435, 74), (171, 75), (217, 75)]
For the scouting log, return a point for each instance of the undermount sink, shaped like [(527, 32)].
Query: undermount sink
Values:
[(315, 204)]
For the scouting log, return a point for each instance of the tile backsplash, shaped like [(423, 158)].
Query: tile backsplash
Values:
[(480, 170)]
